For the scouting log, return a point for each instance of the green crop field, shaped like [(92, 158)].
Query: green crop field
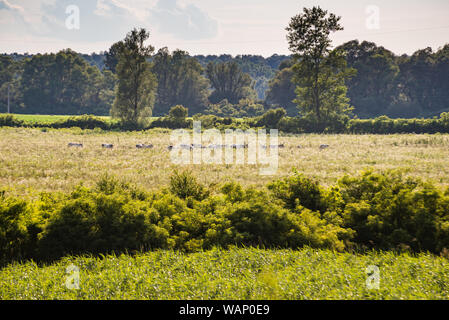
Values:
[(232, 274)]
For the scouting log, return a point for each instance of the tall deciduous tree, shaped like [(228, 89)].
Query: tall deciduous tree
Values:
[(319, 71), (373, 89), (136, 89), (111, 56), (180, 82), (281, 90), (229, 82), (8, 81), (64, 83)]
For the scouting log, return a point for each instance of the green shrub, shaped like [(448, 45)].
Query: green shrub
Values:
[(83, 122), (8, 120), (389, 211), (101, 223), (185, 185), (298, 190), (373, 210), (16, 228)]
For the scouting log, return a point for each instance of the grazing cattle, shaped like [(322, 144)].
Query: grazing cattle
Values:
[(324, 146), (78, 145), (239, 146), (186, 146), (217, 146), (170, 148), (107, 146), (274, 146), (144, 146), (299, 147)]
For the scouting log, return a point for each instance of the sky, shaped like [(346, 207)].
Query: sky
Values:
[(214, 26)]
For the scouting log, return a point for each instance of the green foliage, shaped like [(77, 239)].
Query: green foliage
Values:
[(229, 82), (83, 122), (373, 210), (180, 81), (281, 91), (298, 190), (390, 212), (271, 118), (245, 108), (373, 88), (14, 215), (8, 120), (136, 89), (176, 119), (185, 185), (64, 83), (234, 274), (319, 72), (178, 112)]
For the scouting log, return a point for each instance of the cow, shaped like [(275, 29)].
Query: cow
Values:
[(144, 146), (274, 146), (77, 145), (107, 146), (324, 146)]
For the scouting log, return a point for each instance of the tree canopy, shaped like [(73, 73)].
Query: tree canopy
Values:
[(136, 89), (229, 82)]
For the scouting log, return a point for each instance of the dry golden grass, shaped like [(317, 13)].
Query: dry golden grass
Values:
[(41, 161)]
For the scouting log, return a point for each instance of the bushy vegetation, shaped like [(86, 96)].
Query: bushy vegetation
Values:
[(272, 119), (373, 210)]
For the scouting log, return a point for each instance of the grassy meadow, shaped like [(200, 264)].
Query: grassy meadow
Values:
[(35, 160), (232, 274), (40, 160)]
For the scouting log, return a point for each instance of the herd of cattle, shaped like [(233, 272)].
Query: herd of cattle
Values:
[(196, 146)]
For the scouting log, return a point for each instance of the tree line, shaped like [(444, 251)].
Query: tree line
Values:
[(317, 82)]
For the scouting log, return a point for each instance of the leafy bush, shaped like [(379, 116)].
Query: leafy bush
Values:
[(83, 122), (389, 211), (178, 112), (8, 120), (372, 210), (185, 185), (298, 190), (271, 118)]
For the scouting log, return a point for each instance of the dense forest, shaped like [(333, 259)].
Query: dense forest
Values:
[(73, 83)]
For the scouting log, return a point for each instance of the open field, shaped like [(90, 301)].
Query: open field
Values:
[(41, 160), (232, 274), (45, 119)]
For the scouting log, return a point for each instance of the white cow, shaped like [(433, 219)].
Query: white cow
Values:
[(144, 146), (77, 145)]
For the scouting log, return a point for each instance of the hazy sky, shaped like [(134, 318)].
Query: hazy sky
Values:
[(214, 26)]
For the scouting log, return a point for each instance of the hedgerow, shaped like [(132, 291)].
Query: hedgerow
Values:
[(371, 211), (272, 119)]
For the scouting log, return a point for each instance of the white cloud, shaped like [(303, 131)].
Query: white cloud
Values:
[(4, 4), (183, 21)]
